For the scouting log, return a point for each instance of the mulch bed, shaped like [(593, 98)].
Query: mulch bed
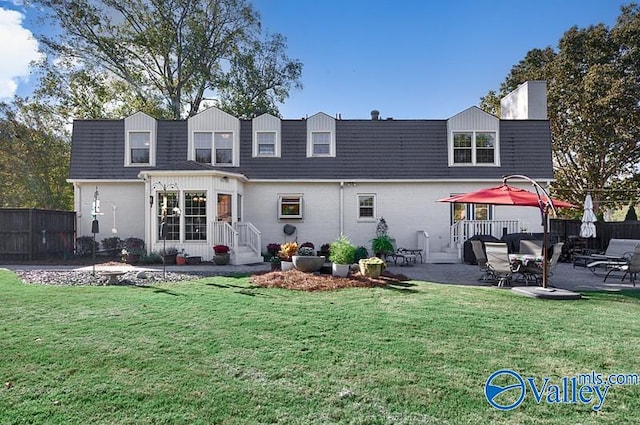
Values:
[(300, 281)]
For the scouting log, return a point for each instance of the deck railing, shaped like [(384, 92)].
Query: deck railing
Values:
[(465, 229), (236, 235)]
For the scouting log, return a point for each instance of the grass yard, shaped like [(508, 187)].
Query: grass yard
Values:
[(220, 351)]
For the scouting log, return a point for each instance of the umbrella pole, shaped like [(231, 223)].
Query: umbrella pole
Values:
[(545, 243)]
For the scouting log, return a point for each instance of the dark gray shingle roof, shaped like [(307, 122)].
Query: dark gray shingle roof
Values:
[(365, 149)]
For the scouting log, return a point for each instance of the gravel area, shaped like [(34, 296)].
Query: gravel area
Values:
[(75, 278)]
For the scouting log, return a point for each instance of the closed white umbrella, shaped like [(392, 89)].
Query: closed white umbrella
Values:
[(588, 227)]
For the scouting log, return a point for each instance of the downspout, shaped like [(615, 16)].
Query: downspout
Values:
[(341, 207)]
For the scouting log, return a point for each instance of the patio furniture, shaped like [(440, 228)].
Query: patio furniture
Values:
[(630, 267), (615, 255), (406, 256), (498, 262), (533, 271), (533, 247), (481, 258)]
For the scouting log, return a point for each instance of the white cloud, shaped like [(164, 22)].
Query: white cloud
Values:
[(17, 49)]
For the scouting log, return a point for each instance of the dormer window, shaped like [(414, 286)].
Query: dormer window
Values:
[(213, 138), (321, 136), (208, 143), (474, 147), (202, 143), (266, 143), (140, 140), (473, 139), (266, 136), (321, 143), (140, 146), (223, 145)]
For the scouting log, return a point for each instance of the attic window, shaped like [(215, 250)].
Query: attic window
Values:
[(474, 148), (290, 206), (321, 143), (140, 145), (213, 148)]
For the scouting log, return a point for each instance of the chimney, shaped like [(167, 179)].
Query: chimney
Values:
[(375, 115), (527, 102)]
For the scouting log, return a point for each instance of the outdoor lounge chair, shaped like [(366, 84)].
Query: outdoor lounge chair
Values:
[(404, 255), (615, 255), (498, 262), (630, 267), (481, 259)]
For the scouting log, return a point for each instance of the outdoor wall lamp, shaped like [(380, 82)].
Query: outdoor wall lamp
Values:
[(224, 179)]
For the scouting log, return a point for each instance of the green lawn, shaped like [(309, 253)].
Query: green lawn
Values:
[(218, 350)]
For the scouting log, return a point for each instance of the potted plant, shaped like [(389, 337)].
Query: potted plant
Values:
[(181, 258), (273, 249), (341, 254), (361, 252), (221, 256), (169, 255), (275, 263), (305, 261), (287, 251), (133, 250), (382, 245), (371, 267), (324, 250)]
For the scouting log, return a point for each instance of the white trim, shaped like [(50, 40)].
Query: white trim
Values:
[(266, 123), (360, 218), (140, 123), (474, 163), (300, 197)]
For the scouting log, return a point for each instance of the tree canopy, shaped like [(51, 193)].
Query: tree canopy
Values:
[(593, 82), (164, 57)]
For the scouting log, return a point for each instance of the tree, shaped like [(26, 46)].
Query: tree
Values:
[(593, 85), (34, 159), (166, 55)]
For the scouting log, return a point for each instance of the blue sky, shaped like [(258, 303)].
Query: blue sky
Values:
[(409, 59)]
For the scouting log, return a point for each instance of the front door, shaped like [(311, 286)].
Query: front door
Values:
[(224, 212)]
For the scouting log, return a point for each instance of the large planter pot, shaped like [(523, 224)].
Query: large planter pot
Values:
[(221, 259), (370, 270), (340, 270), (132, 258), (194, 260), (307, 264), (181, 261), (286, 265), (170, 258)]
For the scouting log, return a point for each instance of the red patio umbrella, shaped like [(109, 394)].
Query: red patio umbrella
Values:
[(506, 195), (509, 195)]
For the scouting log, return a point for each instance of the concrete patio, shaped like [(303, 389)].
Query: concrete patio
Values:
[(564, 277)]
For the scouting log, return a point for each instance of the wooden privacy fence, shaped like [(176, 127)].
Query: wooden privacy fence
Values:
[(605, 231), (33, 234)]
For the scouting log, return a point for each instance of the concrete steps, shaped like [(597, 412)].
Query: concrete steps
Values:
[(244, 255)]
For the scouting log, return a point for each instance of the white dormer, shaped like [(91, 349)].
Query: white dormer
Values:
[(321, 136), (266, 136), (214, 138), (473, 139), (140, 140), (527, 102)]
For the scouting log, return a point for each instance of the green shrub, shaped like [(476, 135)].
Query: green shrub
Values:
[(361, 253), (341, 251)]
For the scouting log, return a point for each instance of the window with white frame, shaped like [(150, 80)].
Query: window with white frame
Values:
[(470, 147), (139, 147), (216, 146), (195, 216), (290, 206), (202, 146), (223, 144), (366, 206), (321, 142), (168, 220), (266, 143)]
